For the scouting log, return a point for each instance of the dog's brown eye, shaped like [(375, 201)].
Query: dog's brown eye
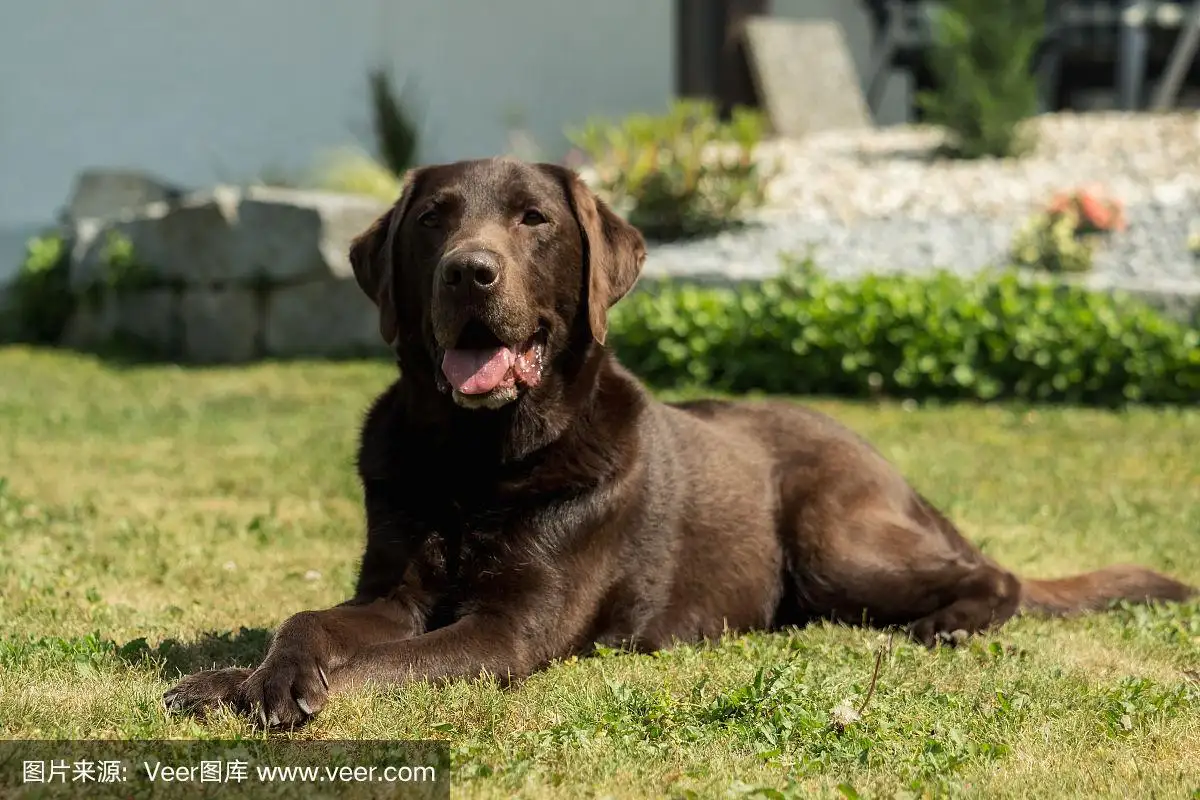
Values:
[(429, 219), (533, 217)]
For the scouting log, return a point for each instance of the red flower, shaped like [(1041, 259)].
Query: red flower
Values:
[(1061, 204), (1096, 211)]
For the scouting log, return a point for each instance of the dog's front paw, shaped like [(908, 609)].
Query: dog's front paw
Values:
[(286, 691), (204, 691)]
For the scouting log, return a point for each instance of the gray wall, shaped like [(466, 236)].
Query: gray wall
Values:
[(200, 91)]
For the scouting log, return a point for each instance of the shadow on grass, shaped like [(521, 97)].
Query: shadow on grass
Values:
[(210, 650)]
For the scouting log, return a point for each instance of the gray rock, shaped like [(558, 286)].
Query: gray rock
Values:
[(220, 325), (150, 316), (291, 235), (226, 235), (103, 193), (321, 318), (191, 241), (93, 324)]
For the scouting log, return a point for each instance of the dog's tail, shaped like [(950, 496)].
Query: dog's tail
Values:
[(1093, 591)]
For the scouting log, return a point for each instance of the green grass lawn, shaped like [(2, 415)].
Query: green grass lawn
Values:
[(158, 519)]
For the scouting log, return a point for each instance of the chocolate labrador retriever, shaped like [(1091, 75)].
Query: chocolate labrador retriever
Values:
[(526, 497)]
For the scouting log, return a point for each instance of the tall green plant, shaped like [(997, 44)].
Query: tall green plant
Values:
[(982, 60), (395, 130)]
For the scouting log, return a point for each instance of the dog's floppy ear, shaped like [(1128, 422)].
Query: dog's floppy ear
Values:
[(371, 257), (613, 250)]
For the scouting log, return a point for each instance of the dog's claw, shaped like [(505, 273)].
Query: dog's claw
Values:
[(304, 706), (324, 680)]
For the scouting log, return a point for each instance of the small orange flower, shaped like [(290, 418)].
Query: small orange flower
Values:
[(1061, 203), (1096, 211)]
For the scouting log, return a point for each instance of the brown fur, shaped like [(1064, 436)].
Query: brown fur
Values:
[(583, 510)]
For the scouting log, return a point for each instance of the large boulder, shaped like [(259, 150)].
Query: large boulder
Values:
[(221, 325), (326, 319), (239, 274), (290, 235), (148, 317), (230, 235), (103, 193)]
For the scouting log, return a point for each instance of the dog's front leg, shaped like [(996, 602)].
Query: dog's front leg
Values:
[(475, 645), (304, 651), (311, 659), (293, 681)]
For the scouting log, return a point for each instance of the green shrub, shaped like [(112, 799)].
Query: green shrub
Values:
[(1051, 242), (41, 300), (1064, 237), (395, 130), (685, 173), (936, 336), (982, 65)]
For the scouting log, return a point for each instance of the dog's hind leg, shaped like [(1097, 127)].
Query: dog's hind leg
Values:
[(988, 597), (910, 568)]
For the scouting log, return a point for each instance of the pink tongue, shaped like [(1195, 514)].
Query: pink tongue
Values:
[(477, 371)]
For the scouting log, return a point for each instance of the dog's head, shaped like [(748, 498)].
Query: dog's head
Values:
[(489, 273)]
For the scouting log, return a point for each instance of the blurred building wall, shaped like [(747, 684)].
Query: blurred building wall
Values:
[(200, 91)]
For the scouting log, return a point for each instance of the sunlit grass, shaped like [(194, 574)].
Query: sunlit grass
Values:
[(195, 509)]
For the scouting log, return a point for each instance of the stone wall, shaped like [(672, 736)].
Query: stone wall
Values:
[(225, 275)]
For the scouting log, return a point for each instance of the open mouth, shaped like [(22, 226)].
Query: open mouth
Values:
[(480, 365)]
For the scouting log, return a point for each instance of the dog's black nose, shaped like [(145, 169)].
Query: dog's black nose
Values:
[(477, 268)]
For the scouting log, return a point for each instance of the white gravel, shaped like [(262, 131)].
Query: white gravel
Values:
[(879, 201)]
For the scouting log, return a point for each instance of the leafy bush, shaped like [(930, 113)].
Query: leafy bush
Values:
[(42, 297), (685, 173), (41, 300), (1064, 237), (936, 336), (982, 64), (1051, 242)]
